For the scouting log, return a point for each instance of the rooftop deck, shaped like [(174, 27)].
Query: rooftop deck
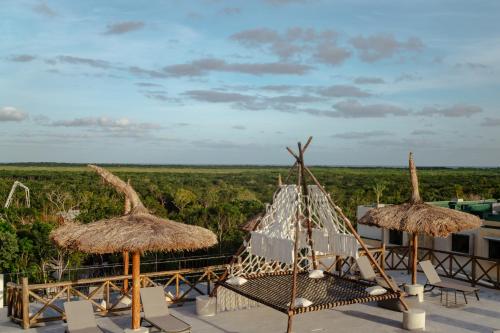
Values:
[(482, 316)]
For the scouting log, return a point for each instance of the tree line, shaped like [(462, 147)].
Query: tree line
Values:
[(220, 199)]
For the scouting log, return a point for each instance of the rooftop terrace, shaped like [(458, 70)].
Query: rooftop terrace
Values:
[(477, 316), (488, 209)]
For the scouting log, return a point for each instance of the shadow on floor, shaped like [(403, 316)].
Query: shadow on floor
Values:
[(483, 312), (460, 323), (375, 319)]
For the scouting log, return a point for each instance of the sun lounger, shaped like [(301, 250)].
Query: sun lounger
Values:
[(435, 281), (368, 274), (156, 312), (80, 317)]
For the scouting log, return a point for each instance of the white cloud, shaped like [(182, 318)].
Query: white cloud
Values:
[(10, 113)]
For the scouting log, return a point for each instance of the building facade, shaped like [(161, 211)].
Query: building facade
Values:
[(482, 242)]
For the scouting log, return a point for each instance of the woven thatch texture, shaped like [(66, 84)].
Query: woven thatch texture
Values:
[(137, 231), (421, 218), (418, 217)]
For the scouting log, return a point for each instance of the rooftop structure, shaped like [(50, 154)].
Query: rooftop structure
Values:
[(479, 316)]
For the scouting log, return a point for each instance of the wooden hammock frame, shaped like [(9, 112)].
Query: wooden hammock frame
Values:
[(303, 172)]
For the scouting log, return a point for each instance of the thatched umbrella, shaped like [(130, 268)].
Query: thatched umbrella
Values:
[(417, 217), (135, 232)]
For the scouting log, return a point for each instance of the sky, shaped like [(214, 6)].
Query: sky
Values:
[(235, 82)]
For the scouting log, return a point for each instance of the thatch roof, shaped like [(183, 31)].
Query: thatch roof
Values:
[(419, 217), (136, 231)]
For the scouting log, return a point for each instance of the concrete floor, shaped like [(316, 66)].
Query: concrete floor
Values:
[(482, 316)]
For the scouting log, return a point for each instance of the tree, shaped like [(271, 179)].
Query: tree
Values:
[(183, 198), (378, 190), (8, 248)]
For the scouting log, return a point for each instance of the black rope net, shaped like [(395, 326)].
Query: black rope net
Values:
[(328, 292)]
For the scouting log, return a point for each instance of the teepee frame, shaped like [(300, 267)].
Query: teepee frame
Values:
[(303, 173)]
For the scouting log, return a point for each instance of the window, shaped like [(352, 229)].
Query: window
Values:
[(460, 243), (493, 249), (396, 237)]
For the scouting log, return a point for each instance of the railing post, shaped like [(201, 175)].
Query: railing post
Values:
[(382, 257), (473, 271), (25, 303), (176, 286)]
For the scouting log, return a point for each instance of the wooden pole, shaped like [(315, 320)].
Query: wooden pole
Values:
[(127, 208), (305, 192), (415, 258), (136, 287), (358, 238), (415, 193), (25, 294), (295, 261), (295, 164)]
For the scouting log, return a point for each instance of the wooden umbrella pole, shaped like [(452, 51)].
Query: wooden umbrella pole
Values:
[(127, 208), (415, 258), (415, 193), (136, 288), (295, 261), (305, 192), (358, 238)]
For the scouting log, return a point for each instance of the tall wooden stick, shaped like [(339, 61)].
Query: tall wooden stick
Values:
[(415, 193), (305, 192), (295, 164), (358, 238), (127, 209), (295, 259), (136, 287), (415, 259)]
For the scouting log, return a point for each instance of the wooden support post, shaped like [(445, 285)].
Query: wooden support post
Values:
[(136, 288), (125, 271), (358, 238), (295, 262), (382, 257), (305, 192), (25, 303), (414, 258)]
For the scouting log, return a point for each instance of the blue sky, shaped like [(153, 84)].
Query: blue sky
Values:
[(234, 82)]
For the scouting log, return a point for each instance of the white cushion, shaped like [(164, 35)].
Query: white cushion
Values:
[(376, 290), (301, 302), (316, 274), (237, 281)]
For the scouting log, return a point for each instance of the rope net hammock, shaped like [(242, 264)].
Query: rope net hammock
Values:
[(272, 266)]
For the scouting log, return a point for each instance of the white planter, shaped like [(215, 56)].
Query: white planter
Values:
[(414, 319), (206, 306)]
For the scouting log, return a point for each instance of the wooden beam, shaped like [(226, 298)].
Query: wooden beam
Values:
[(305, 192), (295, 261), (358, 238), (415, 259), (136, 287), (293, 167), (25, 294)]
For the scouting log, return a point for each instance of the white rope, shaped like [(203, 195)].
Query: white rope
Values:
[(270, 248)]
